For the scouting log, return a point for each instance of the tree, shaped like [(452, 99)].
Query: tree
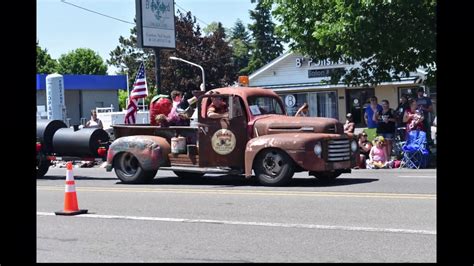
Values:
[(212, 52), (127, 57), (218, 58), (209, 29), (240, 42), (44, 63), (82, 61), (390, 38), (266, 44), (239, 31), (122, 99)]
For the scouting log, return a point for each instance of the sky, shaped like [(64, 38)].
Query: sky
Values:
[(61, 27)]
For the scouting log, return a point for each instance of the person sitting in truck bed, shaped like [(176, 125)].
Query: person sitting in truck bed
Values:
[(218, 107), (94, 122)]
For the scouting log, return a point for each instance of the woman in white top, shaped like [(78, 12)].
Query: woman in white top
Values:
[(94, 122)]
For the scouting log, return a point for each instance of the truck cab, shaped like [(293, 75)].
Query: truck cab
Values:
[(256, 136)]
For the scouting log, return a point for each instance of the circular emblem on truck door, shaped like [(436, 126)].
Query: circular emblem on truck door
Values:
[(223, 141)]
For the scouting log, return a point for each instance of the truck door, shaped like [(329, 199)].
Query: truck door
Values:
[(222, 140)]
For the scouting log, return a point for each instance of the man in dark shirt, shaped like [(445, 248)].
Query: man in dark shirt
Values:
[(400, 110)]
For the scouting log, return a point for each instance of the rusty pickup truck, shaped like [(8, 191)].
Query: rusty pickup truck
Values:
[(257, 136)]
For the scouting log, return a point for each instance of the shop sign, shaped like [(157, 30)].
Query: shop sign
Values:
[(318, 73), (290, 100)]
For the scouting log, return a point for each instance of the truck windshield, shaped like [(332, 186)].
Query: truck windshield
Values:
[(260, 105)]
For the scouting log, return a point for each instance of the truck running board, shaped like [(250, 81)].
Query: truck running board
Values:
[(204, 170)]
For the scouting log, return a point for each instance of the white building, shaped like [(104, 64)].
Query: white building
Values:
[(83, 93), (298, 79)]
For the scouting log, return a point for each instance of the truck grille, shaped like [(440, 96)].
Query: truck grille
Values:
[(339, 150)]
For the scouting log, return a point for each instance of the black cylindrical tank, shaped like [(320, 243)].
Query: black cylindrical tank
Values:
[(80, 143), (45, 130)]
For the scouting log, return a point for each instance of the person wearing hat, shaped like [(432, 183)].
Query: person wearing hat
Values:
[(349, 126), (425, 104)]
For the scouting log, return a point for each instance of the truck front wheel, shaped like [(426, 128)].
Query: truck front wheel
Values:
[(128, 170), (273, 168)]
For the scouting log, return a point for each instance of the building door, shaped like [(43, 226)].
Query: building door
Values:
[(357, 100)]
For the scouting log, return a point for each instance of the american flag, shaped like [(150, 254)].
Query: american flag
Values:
[(140, 90)]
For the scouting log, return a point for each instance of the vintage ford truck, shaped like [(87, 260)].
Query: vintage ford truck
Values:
[(257, 135)]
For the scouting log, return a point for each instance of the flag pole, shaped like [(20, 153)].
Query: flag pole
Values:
[(146, 86), (128, 90)]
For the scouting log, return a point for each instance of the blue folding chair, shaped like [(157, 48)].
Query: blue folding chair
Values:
[(415, 152)]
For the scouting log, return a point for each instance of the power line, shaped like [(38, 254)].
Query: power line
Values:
[(184, 9), (121, 20), (124, 21)]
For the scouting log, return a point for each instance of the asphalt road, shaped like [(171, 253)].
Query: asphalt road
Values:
[(367, 216)]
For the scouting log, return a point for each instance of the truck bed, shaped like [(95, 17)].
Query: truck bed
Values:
[(190, 133)]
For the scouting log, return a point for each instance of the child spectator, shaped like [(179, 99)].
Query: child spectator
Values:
[(377, 156)]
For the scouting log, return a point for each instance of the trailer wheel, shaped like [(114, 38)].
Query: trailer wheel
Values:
[(273, 168), (188, 175), (128, 170), (327, 176), (42, 167)]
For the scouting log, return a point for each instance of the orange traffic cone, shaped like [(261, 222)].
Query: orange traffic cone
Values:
[(70, 198)]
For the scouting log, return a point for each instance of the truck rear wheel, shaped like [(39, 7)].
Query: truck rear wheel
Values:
[(42, 166), (273, 168), (188, 174), (327, 176), (128, 170)]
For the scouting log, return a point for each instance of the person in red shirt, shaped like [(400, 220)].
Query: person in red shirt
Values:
[(413, 117)]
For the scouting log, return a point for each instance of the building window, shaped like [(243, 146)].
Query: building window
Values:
[(321, 104), (327, 104), (409, 92), (293, 101)]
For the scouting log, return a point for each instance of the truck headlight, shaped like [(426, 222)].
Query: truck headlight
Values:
[(318, 149), (354, 146)]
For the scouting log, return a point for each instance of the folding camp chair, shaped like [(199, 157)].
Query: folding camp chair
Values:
[(415, 152)]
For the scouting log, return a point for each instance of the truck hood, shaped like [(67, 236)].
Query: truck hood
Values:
[(275, 124)]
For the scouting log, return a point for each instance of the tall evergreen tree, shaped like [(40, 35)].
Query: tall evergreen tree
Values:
[(240, 41), (266, 44), (239, 31)]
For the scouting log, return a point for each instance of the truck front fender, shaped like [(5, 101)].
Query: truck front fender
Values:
[(294, 144), (150, 151)]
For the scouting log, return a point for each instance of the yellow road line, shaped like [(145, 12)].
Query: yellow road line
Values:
[(249, 192)]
